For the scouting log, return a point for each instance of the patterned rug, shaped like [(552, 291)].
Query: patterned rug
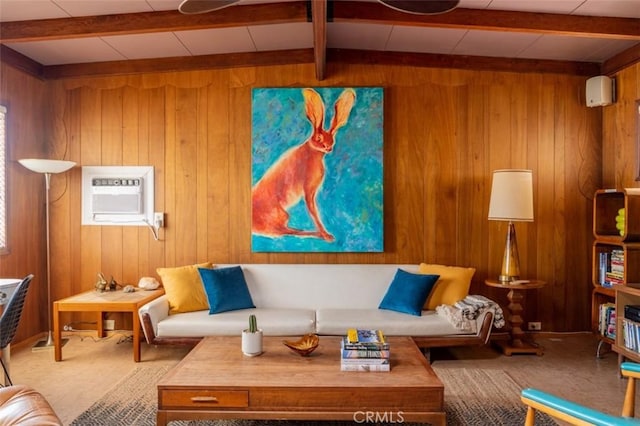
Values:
[(472, 397)]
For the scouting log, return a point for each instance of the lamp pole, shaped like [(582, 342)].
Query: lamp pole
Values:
[(47, 167)]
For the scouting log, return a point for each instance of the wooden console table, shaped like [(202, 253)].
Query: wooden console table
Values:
[(517, 343), (108, 301)]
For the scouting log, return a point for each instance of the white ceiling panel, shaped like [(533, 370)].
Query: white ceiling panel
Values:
[(541, 6), (604, 49), (424, 40), (282, 36), (164, 4), (217, 41), (145, 46), (70, 51), (484, 43), (560, 48), (102, 7), (22, 10), (620, 8), (474, 4), (357, 36)]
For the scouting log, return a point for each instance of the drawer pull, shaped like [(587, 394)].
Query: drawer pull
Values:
[(204, 399)]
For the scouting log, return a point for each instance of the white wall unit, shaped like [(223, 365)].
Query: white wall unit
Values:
[(117, 195)]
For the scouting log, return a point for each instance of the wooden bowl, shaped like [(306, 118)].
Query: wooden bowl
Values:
[(303, 347)]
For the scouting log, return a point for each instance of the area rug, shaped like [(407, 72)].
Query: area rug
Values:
[(472, 397)]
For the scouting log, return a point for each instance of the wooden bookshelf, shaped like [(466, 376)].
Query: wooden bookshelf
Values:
[(625, 295), (606, 206)]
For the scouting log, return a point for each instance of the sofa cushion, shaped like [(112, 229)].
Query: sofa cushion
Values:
[(184, 288), (336, 321), (226, 289), (452, 286), (408, 292), (273, 322)]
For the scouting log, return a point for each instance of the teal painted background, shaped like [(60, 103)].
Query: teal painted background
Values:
[(351, 197)]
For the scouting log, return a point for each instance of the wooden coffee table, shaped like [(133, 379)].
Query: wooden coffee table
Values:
[(216, 381)]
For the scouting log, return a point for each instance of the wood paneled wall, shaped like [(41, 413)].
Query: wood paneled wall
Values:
[(621, 132), (445, 132), (24, 97)]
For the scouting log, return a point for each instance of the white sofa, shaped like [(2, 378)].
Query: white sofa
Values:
[(327, 299)]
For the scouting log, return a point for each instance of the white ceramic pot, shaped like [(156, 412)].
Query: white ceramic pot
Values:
[(252, 343)]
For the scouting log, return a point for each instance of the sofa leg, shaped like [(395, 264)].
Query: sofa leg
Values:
[(427, 354)]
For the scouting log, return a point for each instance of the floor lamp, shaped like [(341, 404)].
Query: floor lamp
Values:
[(512, 201), (47, 168)]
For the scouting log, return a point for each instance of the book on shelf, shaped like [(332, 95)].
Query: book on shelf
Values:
[(607, 320), (631, 335), (365, 367)]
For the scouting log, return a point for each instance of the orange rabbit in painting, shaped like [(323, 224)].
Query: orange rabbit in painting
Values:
[(299, 173)]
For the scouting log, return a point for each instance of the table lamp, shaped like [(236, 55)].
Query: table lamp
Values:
[(511, 201), (47, 168)]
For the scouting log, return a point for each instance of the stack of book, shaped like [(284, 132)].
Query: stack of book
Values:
[(607, 324), (364, 350), (616, 275)]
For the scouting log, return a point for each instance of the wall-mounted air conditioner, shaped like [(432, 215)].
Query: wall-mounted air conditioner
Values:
[(117, 195)]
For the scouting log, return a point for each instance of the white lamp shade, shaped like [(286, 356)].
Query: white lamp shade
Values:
[(512, 196), (41, 165)]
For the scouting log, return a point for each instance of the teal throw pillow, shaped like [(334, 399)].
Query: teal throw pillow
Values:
[(408, 292), (226, 289)]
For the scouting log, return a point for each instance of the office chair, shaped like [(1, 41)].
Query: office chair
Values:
[(11, 318), (576, 414)]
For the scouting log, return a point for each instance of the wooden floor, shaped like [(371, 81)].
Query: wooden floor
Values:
[(90, 367)]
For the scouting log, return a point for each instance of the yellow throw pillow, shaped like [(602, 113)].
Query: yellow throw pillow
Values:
[(452, 286), (184, 288)]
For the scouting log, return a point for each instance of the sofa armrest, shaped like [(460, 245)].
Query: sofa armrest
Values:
[(151, 314)]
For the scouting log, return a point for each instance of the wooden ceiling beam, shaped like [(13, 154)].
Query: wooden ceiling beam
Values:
[(182, 63), (483, 63), (319, 16), (151, 22), (493, 20)]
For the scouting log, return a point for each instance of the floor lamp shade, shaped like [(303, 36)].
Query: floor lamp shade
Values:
[(47, 168), (41, 165), (511, 201)]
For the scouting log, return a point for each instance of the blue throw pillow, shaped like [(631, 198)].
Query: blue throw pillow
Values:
[(408, 292), (226, 289)]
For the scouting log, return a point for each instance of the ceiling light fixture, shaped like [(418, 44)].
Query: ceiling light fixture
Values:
[(421, 7), (192, 7)]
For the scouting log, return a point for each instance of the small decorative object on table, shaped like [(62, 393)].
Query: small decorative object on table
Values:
[(148, 283), (252, 338), (303, 347)]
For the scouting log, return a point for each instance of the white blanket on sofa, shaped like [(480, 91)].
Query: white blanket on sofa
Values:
[(463, 314)]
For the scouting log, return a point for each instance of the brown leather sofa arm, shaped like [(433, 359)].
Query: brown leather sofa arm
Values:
[(21, 405)]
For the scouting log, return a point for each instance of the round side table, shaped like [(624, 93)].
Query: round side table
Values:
[(517, 343)]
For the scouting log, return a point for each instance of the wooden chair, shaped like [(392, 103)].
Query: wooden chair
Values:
[(576, 414)]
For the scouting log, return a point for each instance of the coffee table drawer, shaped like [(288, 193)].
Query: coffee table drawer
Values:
[(203, 398)]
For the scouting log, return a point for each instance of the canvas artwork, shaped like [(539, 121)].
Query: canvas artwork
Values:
[(317, 169)]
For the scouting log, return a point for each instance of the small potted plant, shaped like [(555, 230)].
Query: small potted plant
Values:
[(252, 338)]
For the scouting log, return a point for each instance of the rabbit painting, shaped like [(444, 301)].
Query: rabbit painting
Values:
[(298, 174)]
